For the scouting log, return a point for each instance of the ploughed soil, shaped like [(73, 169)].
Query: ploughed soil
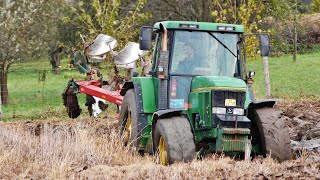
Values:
[(91, 149), (303, 119)]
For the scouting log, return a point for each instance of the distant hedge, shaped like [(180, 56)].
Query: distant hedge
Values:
[(308, 29), (310, 25)]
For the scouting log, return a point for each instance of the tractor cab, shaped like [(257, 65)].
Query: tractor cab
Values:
[(195, 50), (195, 54)]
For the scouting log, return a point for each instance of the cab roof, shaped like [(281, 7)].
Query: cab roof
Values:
[(200, 26)]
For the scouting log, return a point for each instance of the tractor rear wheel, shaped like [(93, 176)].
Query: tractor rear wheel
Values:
[(70, 101), (173, 140), (269, 130), (128, 120)]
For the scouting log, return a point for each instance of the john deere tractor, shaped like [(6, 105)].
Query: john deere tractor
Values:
[(199, 102)]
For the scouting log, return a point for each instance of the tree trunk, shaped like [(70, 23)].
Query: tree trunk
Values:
[(266, 76), (205, 13), (4, 86), (55, 60), (295, 34), (295, 44)]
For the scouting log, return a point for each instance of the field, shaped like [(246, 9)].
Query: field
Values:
[(290, 81), (90, 149), (38, 141)]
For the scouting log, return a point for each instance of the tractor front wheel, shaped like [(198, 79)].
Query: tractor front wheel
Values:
[(269, 130), (173, 140)]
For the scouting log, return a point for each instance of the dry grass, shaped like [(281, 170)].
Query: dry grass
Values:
[(92, 150)]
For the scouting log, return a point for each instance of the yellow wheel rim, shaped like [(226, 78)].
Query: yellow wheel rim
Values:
[(163, 152), (127, 132)]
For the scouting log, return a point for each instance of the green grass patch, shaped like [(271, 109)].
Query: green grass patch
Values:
[(35, 92), (289, 80)]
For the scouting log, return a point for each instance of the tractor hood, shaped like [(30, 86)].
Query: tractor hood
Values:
[(201, 83)]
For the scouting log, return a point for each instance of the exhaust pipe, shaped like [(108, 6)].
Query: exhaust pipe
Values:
[(164, 38), (163, 67)]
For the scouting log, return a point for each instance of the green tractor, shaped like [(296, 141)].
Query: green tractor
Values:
[(197, 98)]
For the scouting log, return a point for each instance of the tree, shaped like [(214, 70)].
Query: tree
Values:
[(249, 14), (315, 6), (59, 32), (93, 17), (245, 12), (24, 31), (187, 10), (102, 16), (287, 14)]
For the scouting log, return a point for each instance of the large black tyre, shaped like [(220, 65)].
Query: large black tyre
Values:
[(128, 120), (70, 101), (269, 130), (173, 140)]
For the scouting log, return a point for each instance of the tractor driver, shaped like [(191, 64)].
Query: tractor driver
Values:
[(187, 64), (190, 61)]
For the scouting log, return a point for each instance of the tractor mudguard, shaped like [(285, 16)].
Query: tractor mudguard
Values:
[(165, 114), (127, 85), (263, 103), (137, 91), (145, 91)]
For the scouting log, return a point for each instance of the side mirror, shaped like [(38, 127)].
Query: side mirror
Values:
[(264, 44), (145, 38)]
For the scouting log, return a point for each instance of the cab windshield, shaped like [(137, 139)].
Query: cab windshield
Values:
[(204, 53)]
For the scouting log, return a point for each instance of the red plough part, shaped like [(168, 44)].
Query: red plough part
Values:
[(96, 51), (92, 88)]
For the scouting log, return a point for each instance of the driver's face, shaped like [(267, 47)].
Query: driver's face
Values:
[(188, 51)]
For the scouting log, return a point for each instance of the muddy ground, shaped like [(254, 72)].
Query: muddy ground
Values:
[(90, 148), (303, 119)]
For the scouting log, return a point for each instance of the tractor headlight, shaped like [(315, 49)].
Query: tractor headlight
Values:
[(238, 111), (218, 110)]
